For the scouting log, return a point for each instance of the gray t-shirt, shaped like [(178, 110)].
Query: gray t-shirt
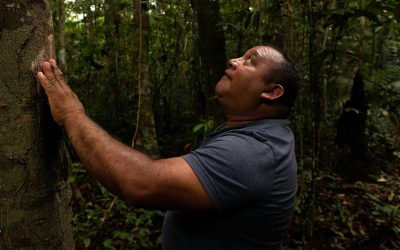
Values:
[(251, 174)]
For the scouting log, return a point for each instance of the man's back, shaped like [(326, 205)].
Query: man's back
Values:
[(250, 172)]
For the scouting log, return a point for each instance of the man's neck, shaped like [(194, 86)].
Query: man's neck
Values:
[(277, 112)]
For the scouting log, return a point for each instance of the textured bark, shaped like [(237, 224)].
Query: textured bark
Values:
[(34, 192), (110, 56), (212, 49), (61, 35), (145, 139)]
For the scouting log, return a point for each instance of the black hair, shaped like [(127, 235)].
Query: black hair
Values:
[(285, 73)]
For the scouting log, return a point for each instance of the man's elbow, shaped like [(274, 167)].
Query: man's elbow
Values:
[(144, 195)]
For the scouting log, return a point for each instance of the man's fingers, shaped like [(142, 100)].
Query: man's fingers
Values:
[(46, 84), (56, 71), (51, 76), (48, 72)]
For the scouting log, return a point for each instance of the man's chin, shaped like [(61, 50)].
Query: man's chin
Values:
[(222, 85)]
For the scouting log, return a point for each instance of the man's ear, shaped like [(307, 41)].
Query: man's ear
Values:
[(273, 92)]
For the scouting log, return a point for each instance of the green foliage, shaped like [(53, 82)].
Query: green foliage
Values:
[(103, 221), (204, 127), (384, 112)]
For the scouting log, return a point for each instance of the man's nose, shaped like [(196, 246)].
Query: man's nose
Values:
[(234, 63)]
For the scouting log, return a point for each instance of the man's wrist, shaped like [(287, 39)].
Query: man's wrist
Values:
[(73, 118)]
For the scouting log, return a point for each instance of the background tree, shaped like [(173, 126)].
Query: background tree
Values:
[(211, 45), (35, 195), (145, 137), (61, 35)]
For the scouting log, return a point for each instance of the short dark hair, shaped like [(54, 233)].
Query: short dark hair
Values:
[(285, 73)]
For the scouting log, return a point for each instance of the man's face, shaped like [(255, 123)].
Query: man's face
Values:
[(241, 86)]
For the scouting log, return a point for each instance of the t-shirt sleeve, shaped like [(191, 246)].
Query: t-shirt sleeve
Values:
[(234, 169)]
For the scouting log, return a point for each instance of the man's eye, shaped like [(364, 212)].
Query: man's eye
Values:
[(250, 59)]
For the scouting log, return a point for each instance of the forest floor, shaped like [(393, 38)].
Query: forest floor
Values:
[(351, 215), (345, 215)]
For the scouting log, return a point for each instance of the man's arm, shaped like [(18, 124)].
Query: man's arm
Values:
[(167, 183)]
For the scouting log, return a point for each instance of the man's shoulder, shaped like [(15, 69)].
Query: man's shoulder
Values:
[(263, 131)]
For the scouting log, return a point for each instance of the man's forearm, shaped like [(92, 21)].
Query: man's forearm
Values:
[(114, 164), (165, 183)]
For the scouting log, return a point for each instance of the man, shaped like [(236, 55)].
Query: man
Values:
[(237, 191)]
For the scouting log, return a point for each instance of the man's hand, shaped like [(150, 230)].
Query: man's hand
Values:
[(63, 102)]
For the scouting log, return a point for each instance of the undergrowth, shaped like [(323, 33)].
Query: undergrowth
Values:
[(359, 215), (103, 221)]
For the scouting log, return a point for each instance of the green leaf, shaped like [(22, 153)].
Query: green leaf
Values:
[(198, 127), (108, 244), (86, 242)]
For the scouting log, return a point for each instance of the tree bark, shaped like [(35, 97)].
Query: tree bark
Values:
[(110, 56), (61, 35), (34, 191), (145, 137), (212, 49), (315, 63)]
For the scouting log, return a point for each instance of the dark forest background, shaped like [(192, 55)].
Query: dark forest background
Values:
[(145, 71)]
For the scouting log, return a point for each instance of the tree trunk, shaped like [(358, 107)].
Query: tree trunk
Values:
[(34, 191), (315, 63), (212, 49), (145, 137), (61, 35), (110, 54)]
